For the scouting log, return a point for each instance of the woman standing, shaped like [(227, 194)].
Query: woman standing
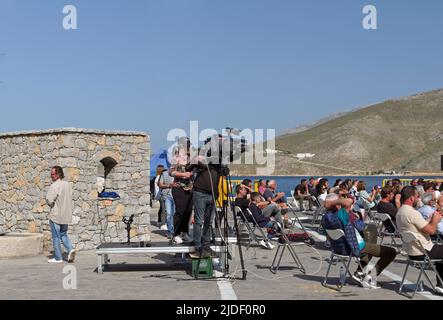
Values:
[(182, 191)]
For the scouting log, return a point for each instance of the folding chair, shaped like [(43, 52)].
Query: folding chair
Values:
[(296, 221), (372, 215), (335, 258), (247, 219), (319, 212), (283, 245), (295, 203), (422, 265), (436, 239), (383, 232)]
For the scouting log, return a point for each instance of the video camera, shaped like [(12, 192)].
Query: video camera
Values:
[(223, 149)]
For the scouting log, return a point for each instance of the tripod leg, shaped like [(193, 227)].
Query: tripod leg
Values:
[(242, 261)]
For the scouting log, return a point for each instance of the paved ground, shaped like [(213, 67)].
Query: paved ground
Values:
[(163, 276)]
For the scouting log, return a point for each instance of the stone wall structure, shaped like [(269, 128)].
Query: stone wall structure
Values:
[(91, 159)]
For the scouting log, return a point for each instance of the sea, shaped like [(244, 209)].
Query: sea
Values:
[(288, 183)]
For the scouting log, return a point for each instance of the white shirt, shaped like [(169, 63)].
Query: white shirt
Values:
[(409, 219), (59, 198), (157, 188)]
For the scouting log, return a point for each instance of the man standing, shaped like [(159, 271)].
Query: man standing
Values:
[(59, 198), (204, 192)]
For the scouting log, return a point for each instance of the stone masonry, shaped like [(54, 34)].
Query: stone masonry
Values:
[(91, 159)]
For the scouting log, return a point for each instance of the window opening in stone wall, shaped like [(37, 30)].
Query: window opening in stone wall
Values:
[(104, 179)]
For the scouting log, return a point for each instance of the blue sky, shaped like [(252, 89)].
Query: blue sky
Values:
[(154, 65)]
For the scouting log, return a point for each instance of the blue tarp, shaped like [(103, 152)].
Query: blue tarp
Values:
[(159, 158)]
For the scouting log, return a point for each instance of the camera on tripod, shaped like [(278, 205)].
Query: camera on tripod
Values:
[(223, 149)]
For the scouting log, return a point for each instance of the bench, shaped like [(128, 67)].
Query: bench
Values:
[(105, 250)]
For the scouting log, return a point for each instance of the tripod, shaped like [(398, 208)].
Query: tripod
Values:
[(225, 179)]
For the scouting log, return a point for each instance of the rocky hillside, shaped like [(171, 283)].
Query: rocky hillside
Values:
[(405, 135)]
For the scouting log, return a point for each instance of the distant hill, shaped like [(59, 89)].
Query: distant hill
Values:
[(404, 135)]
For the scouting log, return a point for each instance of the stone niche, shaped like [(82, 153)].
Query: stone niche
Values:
[(92, 160)]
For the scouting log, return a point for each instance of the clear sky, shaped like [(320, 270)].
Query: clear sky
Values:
[(154, 65)]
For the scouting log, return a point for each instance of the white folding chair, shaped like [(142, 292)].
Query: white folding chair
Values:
[(295, 203), (283, 245), (247, 220), (336, 234), (372, 215), (383, 231), (422, 265), (319, 212)]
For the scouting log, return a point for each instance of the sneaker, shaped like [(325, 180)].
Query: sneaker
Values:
[(207, 252), (53, 260), (439, 290), (178, 240), (358, 278), (264, 244), (270, 245), (71, 256), (370, 283), (195, 255), (164, 227), (186, 238), (374, 284)]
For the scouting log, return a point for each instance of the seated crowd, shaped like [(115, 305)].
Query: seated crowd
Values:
[(415, 208)]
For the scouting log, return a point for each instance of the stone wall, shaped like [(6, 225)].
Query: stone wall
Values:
[(27, 157)]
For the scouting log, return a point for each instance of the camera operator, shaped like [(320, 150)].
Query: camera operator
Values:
[(205, 189)]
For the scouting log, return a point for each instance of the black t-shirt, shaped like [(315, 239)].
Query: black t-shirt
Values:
[(300, 188), (243, 203), (202, 182), (258, 215), (268, 194), (391, 210)]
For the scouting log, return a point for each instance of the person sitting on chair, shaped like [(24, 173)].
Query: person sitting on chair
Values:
[(274, 222), (429, 208), (272, 196), (340, 219), (247, 183), (268, 211), (409, 219), (385, 206), (301, 193)]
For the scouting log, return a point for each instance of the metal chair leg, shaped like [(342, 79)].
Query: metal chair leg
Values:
[(279, 254), (418, 280), (275, 257), (400, 290), (331, 259), (296, 259)]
